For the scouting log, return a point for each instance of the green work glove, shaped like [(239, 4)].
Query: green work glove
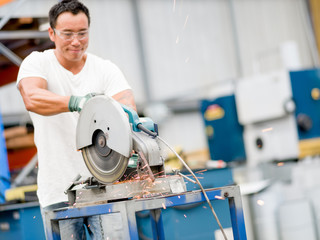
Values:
[(76, 103)]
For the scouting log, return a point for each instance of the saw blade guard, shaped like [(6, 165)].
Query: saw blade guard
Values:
[(105, 138), (105, 114)]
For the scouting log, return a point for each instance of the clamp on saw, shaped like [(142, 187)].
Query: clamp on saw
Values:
[(122, 153)]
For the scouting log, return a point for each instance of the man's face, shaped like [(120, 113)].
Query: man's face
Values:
[(70, 25)]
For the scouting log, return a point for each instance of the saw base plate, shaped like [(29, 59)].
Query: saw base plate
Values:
[(133, 189)]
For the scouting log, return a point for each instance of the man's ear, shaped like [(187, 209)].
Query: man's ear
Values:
[(51, 34)]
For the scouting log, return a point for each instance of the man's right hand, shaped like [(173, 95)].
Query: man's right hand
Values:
[(76, 103)]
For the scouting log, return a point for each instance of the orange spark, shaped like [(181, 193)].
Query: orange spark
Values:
[(218, 197), (185, 22), (201, 171), (267, 129), (164, 207), (177, 40), (260, 202)]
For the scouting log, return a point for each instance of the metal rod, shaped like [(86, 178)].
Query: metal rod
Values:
[(23, 34), (10, 55), (25, 171), (184, 176)]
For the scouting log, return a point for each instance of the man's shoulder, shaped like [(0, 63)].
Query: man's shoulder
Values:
[(40, 54), (98, 59)]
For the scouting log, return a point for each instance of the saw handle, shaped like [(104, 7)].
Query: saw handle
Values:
[(133, 117), (146, 124)]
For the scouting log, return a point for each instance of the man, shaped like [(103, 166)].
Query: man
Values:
[(55, 84)]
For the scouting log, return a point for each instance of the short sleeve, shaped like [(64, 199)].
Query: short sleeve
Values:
[(116, 80), (32, 66)]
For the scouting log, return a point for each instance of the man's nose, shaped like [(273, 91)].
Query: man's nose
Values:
[(75, 41)]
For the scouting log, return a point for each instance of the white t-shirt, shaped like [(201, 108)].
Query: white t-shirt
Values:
[(59, 161)]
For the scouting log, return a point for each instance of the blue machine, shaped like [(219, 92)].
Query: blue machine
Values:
[(4, 169), (226, 136), (306, 95), (224, 133)]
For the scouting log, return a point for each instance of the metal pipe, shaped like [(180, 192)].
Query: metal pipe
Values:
[(25, 172), (7, 52), (23, 34), (10, 55)]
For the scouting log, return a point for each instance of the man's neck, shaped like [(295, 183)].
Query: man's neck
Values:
[(73, 66)]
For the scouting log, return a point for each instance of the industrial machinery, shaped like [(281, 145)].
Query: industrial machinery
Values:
[(119, 151), (270, 117), (127, 167), (275, 117)]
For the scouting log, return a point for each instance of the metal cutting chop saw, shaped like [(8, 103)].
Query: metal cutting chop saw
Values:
[(122, 153)]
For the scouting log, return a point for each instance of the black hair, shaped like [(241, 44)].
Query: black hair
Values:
[(72, 6)]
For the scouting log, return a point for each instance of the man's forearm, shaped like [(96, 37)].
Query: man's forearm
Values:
[(44, 102), (126, 97)]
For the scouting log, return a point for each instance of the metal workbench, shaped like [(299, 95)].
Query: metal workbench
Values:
[(128, 209)]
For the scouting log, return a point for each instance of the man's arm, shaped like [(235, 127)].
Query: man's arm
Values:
[(38, 99), (126, 97)]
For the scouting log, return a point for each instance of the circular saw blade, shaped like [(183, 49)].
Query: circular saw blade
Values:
[(106, 169)]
